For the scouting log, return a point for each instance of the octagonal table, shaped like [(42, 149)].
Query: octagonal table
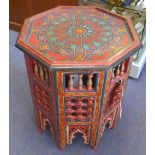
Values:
[(78, 60)]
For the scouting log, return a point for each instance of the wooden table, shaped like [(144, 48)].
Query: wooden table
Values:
[(78, 60)]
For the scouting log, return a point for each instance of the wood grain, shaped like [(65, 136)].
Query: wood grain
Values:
[(19, 10)]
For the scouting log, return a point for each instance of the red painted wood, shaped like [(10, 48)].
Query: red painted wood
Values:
[(75, 36), (78, 99)]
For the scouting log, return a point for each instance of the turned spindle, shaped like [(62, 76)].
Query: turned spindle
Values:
[(41, 74), (46, 74), (70, 82), (113, 73), (80, 82), (35, 68), (118, 71), (122, 68), (89, 83)]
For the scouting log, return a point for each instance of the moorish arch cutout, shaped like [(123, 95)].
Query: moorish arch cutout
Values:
[(73, 129)]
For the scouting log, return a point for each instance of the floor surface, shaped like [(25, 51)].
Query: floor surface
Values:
[(128, 138)]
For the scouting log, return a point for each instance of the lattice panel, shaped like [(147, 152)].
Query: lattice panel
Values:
[(42, 98), (114, 97), (79, 108)]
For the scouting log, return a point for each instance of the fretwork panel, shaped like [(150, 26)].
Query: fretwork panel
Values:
[(79, 109), (42, 98)]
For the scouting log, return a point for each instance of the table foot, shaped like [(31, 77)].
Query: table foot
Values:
[(40, 130)]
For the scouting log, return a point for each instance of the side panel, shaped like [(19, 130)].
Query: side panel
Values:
[(43, 95), (79, 122), (105, 94), (112, 103)]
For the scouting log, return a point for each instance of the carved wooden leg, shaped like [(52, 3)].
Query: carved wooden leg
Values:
[(94, 145), (39, 121), (116, 117), (63, 138), (62, 147)]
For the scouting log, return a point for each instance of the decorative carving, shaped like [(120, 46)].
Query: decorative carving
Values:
[(70, 82), (43, 120), (77, 104), (39, 71), (80, 81), (115, 96), (113, 73), (35, 68), (79, 108), (46, 74), (108, 120), (42, 98), (122, 68), (118, 71), (72, 130), (89, 83)]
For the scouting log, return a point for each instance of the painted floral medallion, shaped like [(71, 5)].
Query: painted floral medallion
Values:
[(77, 35)]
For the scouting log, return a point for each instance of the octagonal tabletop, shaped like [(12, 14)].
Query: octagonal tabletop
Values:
[(78, 36)]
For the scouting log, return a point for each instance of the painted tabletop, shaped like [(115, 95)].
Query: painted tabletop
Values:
[(75, 36)]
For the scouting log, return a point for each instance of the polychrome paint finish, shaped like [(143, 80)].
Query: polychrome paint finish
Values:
[(77, 36), (78, 60)]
